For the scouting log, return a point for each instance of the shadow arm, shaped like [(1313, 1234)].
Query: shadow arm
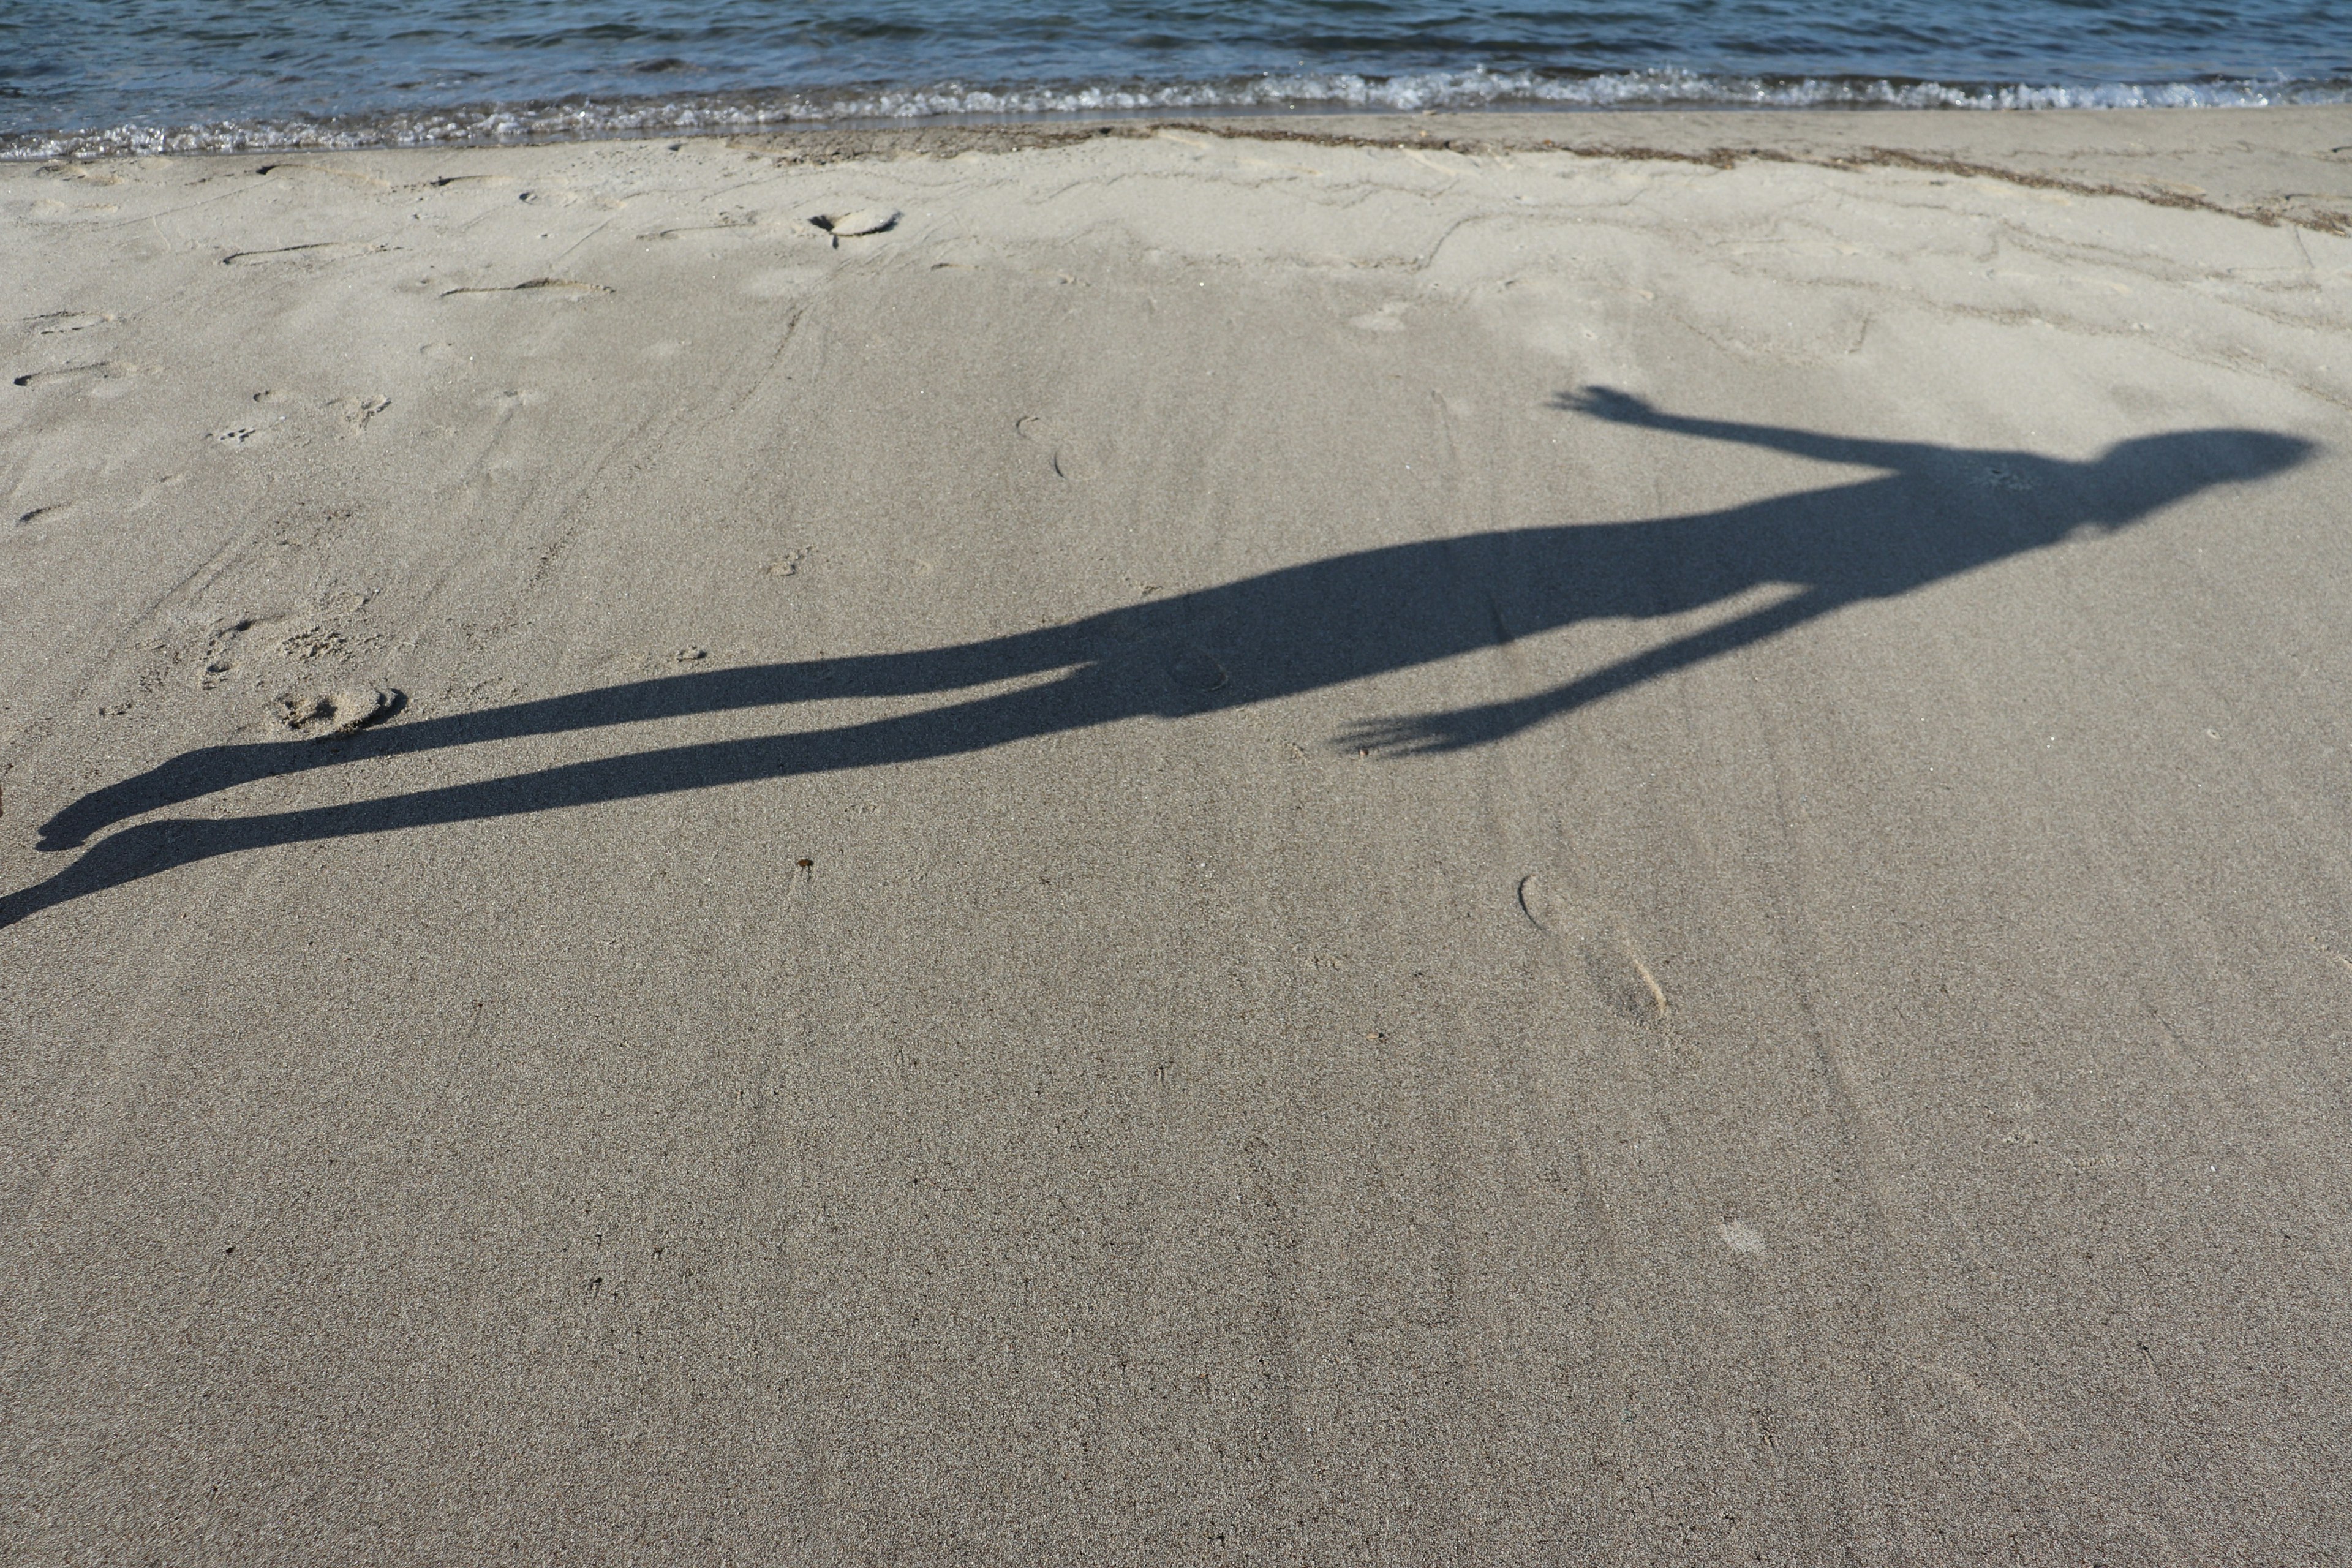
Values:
[(1624, 408), (1424, 734)]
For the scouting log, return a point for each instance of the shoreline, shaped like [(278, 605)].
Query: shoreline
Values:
[(559, 121), (2289, 165)]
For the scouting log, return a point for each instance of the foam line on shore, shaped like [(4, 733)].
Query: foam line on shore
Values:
[(1471, 87)]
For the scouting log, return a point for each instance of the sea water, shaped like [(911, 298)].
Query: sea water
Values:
[(81, 76)]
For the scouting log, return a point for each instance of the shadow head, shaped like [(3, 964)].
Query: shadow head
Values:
[(2134, 479)]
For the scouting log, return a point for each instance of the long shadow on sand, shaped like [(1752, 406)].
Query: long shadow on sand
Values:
[(1932, 512)]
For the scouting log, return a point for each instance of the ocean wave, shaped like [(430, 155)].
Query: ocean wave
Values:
[(1472, 88)]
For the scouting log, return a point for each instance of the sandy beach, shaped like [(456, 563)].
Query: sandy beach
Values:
[(1403, 839)]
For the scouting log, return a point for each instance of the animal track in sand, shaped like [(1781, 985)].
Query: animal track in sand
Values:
[(1384, 320), (341, 713), (54, 513), (1621, 982), (324, 250), (559, 286)]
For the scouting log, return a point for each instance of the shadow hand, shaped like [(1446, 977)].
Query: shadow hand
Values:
[(1607, 402), (1412, 735)]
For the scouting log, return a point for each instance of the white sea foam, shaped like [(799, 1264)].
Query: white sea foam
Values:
[(1469, 89)]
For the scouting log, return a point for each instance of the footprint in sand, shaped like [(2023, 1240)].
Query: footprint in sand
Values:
[(324, 250), (68, 212), (1067, 458), (355, 412), (97, 370), (1603, 951), (340, 713), (66, 321), (781, 282), (223, 637), (853, 225), (1196, 669), (323, 171), (1741, 1237), (555, 288), (738, 221), (311, 641)]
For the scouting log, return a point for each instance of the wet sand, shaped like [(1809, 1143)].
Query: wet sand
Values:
[(1286, 842)]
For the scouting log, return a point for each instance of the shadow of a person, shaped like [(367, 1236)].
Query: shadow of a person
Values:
[(1931, 512)]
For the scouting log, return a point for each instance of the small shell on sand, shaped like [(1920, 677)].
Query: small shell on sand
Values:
[(865, 220), (340, 714)]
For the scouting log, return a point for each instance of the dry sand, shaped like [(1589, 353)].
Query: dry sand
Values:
[(1234, 850)]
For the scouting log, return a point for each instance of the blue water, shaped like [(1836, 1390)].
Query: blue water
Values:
[(87, 75)]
